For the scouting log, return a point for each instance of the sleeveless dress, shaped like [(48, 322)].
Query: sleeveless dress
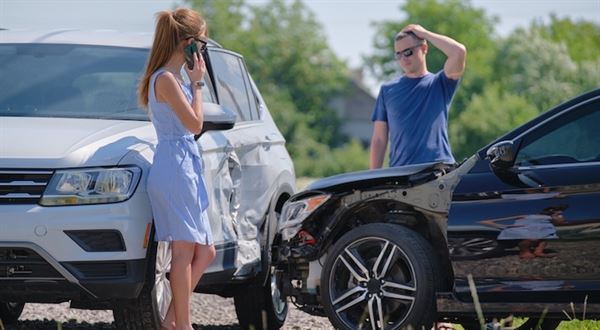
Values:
[(175, 183)]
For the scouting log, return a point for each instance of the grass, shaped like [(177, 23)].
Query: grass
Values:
[(572, 324), (564, 325)]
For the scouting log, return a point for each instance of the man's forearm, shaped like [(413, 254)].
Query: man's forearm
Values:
[(455, 51), (377, 154), (447, 45)]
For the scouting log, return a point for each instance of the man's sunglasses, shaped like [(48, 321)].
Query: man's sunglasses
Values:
[(407, 52)]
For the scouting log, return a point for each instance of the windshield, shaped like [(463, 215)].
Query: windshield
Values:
[(77, 81)]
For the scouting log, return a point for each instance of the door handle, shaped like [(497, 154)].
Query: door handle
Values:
[(530, 180)]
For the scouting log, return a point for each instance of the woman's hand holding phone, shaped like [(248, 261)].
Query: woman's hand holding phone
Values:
[(196, 73)]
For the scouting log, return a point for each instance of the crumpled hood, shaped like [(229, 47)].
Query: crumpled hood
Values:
[(34, 142), (339, 182)]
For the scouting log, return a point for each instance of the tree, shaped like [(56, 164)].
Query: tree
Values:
[(582, 42), (581, 38), (538, 69), (293, 53), (487, 116), (225, 19), (289, 58)]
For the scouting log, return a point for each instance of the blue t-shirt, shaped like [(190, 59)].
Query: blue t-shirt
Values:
[(416, 111)]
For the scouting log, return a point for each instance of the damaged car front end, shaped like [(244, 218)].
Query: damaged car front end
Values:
[(513, 230), (338, 252)]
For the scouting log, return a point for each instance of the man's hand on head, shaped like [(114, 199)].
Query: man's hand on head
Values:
[(417, 29)]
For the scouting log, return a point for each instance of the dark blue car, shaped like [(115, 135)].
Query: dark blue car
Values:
[(519, 220)]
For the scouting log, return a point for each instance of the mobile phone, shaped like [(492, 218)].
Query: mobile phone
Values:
[(189, 52)]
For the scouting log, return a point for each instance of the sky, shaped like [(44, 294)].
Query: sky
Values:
[(347, 23)]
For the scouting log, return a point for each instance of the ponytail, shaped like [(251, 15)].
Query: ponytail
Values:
[(171, 28)]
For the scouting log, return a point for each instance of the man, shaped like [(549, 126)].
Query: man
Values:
[(412, 111)]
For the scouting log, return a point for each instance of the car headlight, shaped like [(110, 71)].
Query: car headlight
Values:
[(91, 186), (294, 213)]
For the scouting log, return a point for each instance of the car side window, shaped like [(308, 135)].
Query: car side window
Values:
[(251, 95), (231, 87), (571, 138)]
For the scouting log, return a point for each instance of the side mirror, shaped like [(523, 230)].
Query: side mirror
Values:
[(216, 118), (501, 154)]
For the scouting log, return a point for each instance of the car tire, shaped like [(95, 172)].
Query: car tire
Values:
[(261, 307), (380, 276), (10, 312), (149, 309)]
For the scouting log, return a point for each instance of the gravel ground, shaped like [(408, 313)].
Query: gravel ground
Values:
[(209, 312)]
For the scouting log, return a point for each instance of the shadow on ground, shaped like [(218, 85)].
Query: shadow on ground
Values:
[(73, 325)]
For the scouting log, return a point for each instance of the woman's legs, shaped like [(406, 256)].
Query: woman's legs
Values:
[(539, 250), (203, 256), (180, 277), (525, 249)]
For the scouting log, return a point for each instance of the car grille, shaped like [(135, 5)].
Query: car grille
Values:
[(22, 186), (23, 263)]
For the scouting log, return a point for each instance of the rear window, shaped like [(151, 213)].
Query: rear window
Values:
[(78, 81)]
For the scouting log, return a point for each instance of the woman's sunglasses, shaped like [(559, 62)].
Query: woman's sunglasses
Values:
[(407, 52), (202, 43)]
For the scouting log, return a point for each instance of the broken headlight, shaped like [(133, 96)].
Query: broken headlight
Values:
[(294, 213)]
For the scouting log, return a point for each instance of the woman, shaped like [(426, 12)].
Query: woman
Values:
[(175, 183)]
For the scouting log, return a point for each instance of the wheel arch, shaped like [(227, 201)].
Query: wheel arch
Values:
[(269, 227), (394, 212)]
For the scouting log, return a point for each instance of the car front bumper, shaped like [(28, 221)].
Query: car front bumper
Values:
[(53, 254)]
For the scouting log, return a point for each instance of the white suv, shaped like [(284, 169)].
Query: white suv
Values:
[(75, 149)]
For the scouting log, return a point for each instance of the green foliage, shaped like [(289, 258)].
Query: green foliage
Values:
[(347, 158), (487, 116), (536, 68), (579, 325), (507, 81), (298, 74), (293, 53), (582, 38), (564, 325), (224, 17), (582, 42)]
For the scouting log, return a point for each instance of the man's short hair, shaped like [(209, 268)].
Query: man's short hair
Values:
[(401, 35)]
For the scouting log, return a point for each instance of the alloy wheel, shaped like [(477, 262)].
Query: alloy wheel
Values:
[(373, 285), (162, 286)]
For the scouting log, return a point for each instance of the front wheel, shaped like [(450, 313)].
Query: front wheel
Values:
[(10, 312), (262, 307), (380, 276), (150, 308)]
